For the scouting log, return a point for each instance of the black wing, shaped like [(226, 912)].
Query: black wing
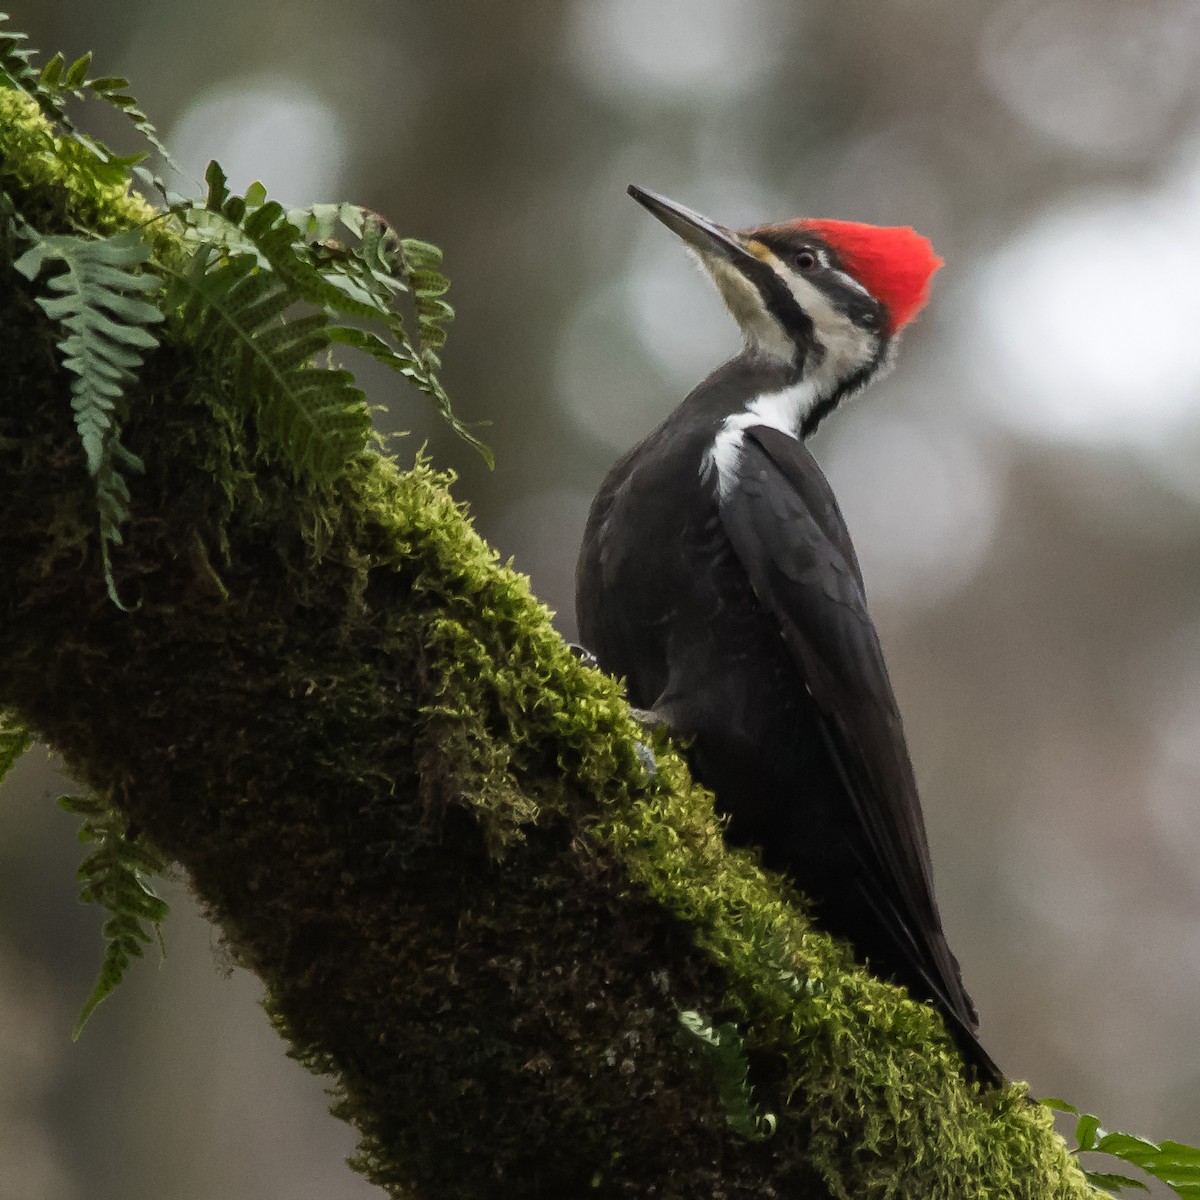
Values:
[(783, 521)]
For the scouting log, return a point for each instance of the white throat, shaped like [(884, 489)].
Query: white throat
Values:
[(840, 350)]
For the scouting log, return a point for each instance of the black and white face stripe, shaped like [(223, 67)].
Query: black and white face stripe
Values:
[(798, 252), (781, 305), (794, 303)]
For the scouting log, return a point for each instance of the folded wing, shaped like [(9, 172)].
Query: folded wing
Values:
[(781, 517)]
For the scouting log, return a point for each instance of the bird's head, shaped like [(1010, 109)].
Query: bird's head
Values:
[(828, 298)]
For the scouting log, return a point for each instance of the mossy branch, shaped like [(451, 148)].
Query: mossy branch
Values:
[(423, 824)]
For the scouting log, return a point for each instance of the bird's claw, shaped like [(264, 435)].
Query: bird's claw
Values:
[(584, 655), (644, 716), (646, 755), (648, 717)]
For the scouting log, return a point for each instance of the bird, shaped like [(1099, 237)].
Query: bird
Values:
[(717, 577)]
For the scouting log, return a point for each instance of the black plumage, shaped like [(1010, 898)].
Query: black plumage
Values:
[(732, 603)]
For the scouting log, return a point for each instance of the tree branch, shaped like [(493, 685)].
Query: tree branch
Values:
[(427, 828)]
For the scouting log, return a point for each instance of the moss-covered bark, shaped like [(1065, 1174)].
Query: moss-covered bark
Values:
[(428, 829)]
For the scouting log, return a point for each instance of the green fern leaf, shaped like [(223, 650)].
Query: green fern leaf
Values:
[(387, 265), (722, 1050), (113, 90), (114, 876), (1111, 1182), (50, 87), (420, 262), (347, 282), (56, 81), (101, 309), (77, 72), (316, 417), (17, 71), (52, 72), (1174, 1163), (218, 187), (284, 247), (14, 741)]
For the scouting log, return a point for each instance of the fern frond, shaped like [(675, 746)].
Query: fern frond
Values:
[(14, 741), (56, 81), (114, 875), (100, 306), (17, 71), (723, 1052), (348, 282), (420, 262), (115, 91), (50, 87), (314, 416), (16, 66)]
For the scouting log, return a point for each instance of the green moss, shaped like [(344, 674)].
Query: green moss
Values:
[(427, 827), (65, 187), (867, 1079)]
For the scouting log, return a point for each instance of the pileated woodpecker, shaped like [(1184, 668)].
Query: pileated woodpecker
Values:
[(718, 578)]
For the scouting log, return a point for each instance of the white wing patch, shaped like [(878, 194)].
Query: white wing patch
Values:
[(783, 410)]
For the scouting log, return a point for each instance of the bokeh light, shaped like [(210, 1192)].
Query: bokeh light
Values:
[(1097, 76), (277, 132), (693, 53), (1086, 325), (921, 501)]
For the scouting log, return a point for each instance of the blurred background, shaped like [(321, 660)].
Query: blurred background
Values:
[(1024, 490)]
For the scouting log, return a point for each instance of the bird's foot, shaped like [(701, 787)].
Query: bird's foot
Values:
[(584, 655), (648, 717), (646, 755), (649, 720)]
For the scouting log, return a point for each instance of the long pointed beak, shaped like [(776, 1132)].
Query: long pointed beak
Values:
[(699, 232)]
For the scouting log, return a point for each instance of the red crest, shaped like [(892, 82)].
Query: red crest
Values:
[(894, 263)]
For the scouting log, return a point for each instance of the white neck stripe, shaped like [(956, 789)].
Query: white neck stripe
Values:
[(839, 352), (783, 410)]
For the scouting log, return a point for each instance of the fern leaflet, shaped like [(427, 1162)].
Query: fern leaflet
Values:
[(1174, 1163), (114, 876), (57, 81), (315, 416), (420, 262), (359, 283), (722, 1050), (100, 307), (14, 741), (114, 90), (17, 71)]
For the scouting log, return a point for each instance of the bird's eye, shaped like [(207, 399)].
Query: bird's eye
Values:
[(806, 259)]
